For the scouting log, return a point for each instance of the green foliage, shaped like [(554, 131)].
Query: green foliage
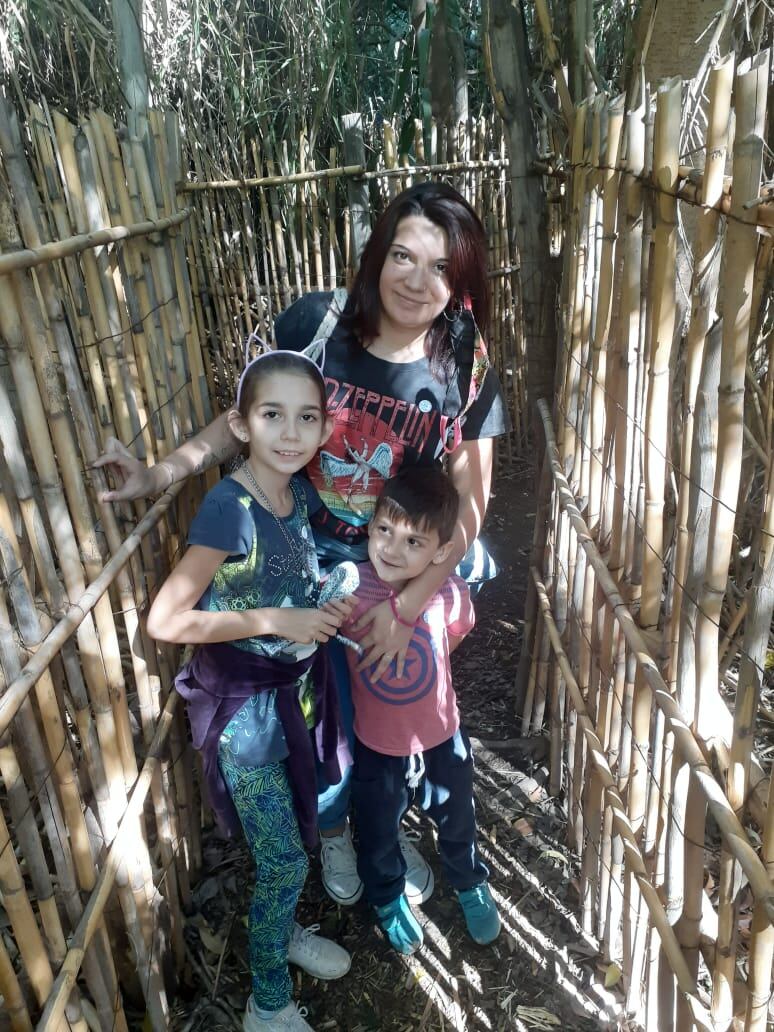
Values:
[(271, 68), (246, 68), (61, 52)]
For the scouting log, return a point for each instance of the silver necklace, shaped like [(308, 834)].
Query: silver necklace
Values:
[(299, 555)]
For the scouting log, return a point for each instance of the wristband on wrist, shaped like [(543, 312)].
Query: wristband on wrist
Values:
[(396, 614), (168, 468)]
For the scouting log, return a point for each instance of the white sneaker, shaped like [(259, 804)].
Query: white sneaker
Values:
[(419, 878), (319, 957), (289, 1019), (339, 868)]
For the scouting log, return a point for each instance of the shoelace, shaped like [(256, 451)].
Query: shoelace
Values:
[(409, 837), (303, 937), (335, 851), (480, 896)]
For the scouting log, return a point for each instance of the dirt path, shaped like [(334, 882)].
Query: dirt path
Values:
[(540, 974)]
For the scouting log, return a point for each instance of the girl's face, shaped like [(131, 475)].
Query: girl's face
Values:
[(285, 424), (413, 288)]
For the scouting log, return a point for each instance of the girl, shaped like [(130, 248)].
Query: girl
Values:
[(257, 685), (408, 381)]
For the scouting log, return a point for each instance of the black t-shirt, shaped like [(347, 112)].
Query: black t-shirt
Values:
[(386, 414)]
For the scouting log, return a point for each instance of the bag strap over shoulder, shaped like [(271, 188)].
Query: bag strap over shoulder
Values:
[(316, 349), (331, 317)]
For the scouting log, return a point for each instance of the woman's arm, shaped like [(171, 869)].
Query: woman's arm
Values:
[(210, 447), (470, 468), (173, 618)]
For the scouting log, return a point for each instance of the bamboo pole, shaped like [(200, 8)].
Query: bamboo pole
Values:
[(552, 52), (685, 848), (609, 187), (358, 171), (332, 244), (660, 332), (646, 792), (726, 819), (31, 257), (741, 241), (574, 278), (602, 322), (684, 870), (756, 637), (13, 999)]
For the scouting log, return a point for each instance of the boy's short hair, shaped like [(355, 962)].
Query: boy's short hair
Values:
[(422, 496)]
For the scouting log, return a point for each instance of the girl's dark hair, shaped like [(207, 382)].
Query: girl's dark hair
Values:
[(466, 274), (278, 362), (424, 498)]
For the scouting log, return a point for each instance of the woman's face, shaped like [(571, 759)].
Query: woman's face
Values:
[(413, 288)]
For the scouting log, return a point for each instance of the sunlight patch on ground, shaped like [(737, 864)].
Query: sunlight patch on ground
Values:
[(448, 1007)]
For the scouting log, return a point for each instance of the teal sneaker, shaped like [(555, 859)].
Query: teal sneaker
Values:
[(400, 926), (480, 912)]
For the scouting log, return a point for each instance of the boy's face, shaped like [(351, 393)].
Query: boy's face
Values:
[(399, 551)]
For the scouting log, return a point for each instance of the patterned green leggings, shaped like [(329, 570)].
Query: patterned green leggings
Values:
[(264, 802)]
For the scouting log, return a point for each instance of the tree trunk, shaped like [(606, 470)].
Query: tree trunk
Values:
[(507, 60), (127, 27), (459, 72), (447, 74)]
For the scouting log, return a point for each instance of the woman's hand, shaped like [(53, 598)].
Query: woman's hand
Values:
[(132, 477), (309, 625), (386, 640)]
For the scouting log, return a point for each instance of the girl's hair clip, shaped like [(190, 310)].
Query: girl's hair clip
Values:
[(263, 349), (314, 353)]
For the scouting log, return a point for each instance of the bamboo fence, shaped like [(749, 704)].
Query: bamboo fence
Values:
[(267, 228), (649, 617), (126, 291), (99, 821)]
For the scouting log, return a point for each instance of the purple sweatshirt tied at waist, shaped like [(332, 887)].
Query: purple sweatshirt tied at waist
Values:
[(219, 680)]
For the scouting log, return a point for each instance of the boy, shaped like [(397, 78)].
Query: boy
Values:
[(408, 740)]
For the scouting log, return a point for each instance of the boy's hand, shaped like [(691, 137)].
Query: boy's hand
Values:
[(306, 626)]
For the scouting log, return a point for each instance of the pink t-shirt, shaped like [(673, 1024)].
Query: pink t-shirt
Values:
[(419, 711)]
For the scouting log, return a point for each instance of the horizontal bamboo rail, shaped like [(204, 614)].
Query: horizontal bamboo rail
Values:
[(688, 190), (79, 941), (18, 690), (634, 857), (727, 821), (344, 171), (15, 261)]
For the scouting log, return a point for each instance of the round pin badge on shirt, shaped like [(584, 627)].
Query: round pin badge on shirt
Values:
[(424, 405)]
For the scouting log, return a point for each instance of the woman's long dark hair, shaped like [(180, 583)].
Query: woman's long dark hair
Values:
[(466, 272)]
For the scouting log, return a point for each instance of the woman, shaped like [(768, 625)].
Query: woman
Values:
[(408, 381)]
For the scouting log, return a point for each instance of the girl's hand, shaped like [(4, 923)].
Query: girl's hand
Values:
[(387, 640), (132, 477), (306, 626)]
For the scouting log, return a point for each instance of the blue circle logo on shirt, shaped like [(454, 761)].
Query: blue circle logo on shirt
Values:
[(419, 674)]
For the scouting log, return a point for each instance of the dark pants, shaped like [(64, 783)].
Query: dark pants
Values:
[(381, 796)]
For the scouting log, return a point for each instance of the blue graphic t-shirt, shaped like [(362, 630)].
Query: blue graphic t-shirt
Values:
[(260, 571)]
